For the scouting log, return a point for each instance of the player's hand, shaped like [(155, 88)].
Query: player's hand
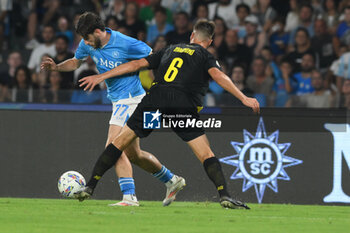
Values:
[(90, 82), (48, 64), (252, 103)]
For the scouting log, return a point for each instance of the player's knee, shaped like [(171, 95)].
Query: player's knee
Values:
[(205, 156), (121, 159), (121, 143), (134, 156)]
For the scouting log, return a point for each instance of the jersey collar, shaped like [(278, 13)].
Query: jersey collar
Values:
[(194, 44), (111, 39)]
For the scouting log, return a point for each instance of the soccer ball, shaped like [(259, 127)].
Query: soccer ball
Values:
[(70, 183)]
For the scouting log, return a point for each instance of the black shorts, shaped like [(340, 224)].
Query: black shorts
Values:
[(170, 102)]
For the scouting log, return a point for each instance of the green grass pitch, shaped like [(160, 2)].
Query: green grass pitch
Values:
[(59, 215)]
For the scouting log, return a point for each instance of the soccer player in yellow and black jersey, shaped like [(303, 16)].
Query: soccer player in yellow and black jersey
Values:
[(182, 75)]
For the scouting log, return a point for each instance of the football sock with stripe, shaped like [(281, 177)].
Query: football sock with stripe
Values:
[(127, 185), (106, 160), (164, 175), (214, 171)]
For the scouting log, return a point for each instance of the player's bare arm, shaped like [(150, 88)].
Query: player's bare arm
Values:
[(65, 66), (91, 81), (226, 83)]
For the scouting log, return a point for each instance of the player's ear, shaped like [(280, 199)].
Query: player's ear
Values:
[(97, 32), (191, 37)]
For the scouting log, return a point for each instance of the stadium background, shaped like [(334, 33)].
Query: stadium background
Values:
[(268, 47), (258, 43)]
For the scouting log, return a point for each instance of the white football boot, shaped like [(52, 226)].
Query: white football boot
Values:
[(174, 185), (128, 200)]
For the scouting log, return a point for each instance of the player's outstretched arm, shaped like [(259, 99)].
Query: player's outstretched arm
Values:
[(225, 82), (65, 66), (91, 81)]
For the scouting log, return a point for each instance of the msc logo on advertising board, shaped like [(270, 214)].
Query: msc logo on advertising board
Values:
[(260, 161), (341, 136)]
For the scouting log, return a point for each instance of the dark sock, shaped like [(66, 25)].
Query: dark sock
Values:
[(215, 174), (106, 160)]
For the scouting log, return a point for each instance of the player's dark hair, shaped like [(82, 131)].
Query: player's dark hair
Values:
[(205, 27), (63, 37), (243, 5), (88, 23)]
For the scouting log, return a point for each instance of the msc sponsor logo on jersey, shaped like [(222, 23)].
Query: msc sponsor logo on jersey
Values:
[(151, 120), (106, 63), (260, 161)]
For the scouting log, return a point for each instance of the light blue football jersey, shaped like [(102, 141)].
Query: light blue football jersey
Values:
[(119, 49)]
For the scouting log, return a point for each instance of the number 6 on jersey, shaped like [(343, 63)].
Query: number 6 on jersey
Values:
[(172, 71)]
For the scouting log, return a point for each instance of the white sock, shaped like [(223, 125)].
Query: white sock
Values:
[(171, 181), (130, 197)]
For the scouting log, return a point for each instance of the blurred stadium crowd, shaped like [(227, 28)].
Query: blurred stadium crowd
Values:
[(290, 53)]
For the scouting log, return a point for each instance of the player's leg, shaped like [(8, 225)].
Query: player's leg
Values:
[(147, 162), (201, 148), (172, 182), (150, 163), (124, 172), (107, 159), (121, 112), (123, 169), (143, 159)]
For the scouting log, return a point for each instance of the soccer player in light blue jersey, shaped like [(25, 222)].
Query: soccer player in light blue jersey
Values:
[(109, 49)]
